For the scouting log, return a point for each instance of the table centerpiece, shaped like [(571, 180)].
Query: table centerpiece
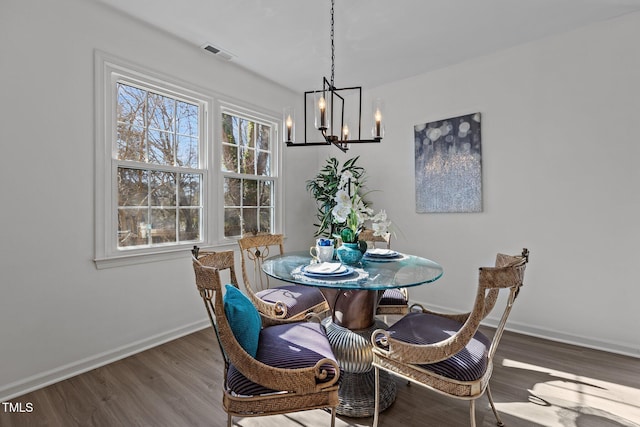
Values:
[(342, 209)]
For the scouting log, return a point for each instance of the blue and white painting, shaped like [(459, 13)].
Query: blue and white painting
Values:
[(449, 165)]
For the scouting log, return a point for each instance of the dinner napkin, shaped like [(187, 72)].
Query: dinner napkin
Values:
[(324, 267)]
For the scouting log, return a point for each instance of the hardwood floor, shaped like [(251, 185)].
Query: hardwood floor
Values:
[(535, 383)]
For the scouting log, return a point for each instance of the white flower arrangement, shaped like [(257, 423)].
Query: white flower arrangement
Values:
[(336, 190), (380, 223), (350, 209)]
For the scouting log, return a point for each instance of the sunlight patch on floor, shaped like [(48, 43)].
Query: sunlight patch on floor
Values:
[(313, 418), (568, 400)]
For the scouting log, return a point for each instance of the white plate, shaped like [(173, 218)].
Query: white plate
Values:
[(325, 268), (398, 257), (348, 272), (381, 253)]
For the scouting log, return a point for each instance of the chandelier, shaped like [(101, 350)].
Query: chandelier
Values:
[(328, 112)]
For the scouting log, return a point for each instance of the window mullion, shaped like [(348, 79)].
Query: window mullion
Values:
[(145, 120), (149, 223), (174, 148), (177, 206), (130, 164)]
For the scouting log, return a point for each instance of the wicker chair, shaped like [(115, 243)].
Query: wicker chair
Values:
[(392, 301), (290, 371), (289, 301), (447, 353)]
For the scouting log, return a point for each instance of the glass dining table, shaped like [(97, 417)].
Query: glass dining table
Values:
[(353, 293)]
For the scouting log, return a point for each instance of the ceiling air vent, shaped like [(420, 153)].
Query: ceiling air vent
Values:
[(217, 51)]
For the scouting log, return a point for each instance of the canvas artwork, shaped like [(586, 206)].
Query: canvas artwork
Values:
[(448, 165)]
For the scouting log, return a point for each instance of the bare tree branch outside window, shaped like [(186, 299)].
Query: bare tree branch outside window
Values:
[(159, 193), (248, 180)]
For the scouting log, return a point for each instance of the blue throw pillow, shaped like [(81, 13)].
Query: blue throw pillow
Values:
[(243, 318)]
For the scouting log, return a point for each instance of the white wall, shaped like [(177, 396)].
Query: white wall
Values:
[(59, 314), (560, 150)]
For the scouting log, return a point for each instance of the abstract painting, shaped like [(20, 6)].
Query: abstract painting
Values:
[(449, 165)]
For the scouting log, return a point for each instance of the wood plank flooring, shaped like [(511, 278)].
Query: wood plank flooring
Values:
[(535, 383)]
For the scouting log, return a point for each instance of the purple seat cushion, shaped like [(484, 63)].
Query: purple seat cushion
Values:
[(296, 345), (393, 297), (469, 364), (297, 298)]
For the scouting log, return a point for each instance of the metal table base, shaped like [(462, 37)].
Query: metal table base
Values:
[(357, 387)]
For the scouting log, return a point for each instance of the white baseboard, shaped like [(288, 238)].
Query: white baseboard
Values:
[(552, 335), (55, 375), (582, 341)]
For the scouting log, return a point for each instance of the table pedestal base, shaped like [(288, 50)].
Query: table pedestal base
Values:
[(357, 393), (357, 387)]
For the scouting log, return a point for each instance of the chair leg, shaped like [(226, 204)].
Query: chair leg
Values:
[(472, 412), (493, 407), (333, 417), (376, 407), (229, 420)]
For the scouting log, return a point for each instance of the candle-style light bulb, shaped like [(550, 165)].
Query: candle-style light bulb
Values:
[(322, 104), (377, 130), (378, 118), (345, 133), (289, 123)]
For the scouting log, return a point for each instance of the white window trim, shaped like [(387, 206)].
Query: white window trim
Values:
[(108, 70), (107, 254)]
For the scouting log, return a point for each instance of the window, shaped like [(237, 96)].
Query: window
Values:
[(171, 172), (247, 170), (152, 180), (158, 174)]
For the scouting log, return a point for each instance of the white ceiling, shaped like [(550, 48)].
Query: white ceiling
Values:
[(376, 41)]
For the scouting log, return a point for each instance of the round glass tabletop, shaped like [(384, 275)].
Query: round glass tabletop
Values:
[(374, 274)]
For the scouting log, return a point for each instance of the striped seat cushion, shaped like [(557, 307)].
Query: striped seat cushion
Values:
[(393, 297), (469, 364), (297, 298), (296, 345)]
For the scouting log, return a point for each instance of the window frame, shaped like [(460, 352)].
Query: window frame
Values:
[(108, 70), (200, 169)]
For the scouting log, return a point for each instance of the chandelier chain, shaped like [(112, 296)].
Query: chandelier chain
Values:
[(333, 47)]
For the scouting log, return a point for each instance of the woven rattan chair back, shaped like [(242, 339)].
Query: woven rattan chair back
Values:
[(412, 361), (222, 261), (209, 284), (367, 235), (302, 389), (392, 301), (254, 250)]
